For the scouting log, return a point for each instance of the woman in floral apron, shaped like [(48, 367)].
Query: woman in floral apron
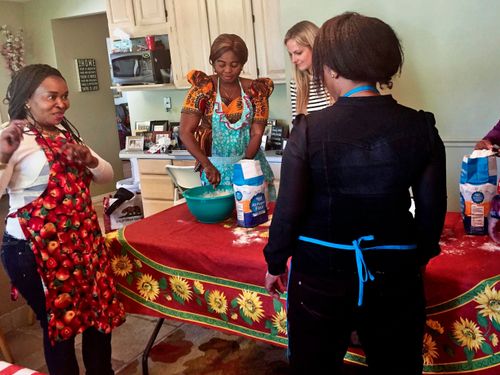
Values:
[(53, 249), (224, 116)]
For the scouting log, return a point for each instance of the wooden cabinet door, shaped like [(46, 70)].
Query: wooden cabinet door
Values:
[(268, 39), (189, 39), (149, 12), (120, 15), (234, 17)]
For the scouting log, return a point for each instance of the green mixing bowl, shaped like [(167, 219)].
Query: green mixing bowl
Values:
[(210, 205)]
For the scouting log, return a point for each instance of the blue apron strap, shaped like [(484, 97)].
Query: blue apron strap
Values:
[(364, 274)]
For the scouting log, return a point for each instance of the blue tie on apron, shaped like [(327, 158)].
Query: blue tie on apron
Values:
[(364, 273)]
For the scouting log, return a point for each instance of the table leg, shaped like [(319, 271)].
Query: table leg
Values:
[(145, 354)]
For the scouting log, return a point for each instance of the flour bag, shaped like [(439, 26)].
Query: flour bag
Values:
[(478, 179), (249, 193)]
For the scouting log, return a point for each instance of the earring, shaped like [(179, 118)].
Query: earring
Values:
[(333, 74), (27, 106)]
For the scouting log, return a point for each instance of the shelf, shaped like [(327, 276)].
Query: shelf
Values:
[(154, 86)]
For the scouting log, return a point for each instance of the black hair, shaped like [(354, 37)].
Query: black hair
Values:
[(359, 48)]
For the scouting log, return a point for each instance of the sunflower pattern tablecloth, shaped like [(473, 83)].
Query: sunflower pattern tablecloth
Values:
[(169, 265)]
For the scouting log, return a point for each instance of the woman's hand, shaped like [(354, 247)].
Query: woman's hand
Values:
[(10, 139), (79, 154), (212, 174), (483, 144), (276, 284)]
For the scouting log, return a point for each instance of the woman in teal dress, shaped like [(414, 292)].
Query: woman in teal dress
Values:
[(224, 116)]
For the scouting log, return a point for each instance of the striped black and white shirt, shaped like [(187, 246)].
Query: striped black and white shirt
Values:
[(318, 99)]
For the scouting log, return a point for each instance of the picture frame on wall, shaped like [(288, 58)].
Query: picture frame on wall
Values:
[(134, 143)]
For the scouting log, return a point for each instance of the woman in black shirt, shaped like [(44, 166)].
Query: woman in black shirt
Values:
[(343, 209)]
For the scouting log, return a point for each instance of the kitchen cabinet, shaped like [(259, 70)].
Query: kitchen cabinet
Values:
[(157, 189), (269, 44), (234, 17), (194, 24), (189, 39), (137, 18)]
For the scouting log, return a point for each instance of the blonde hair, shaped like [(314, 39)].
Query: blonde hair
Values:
[(303, 33)]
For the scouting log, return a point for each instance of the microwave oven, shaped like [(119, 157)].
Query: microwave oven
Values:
[(141, 67)]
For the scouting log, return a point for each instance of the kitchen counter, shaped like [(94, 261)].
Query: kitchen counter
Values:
[(157, 190), (271, 155)]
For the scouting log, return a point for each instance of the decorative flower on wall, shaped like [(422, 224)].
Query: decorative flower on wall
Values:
[(12, 49)]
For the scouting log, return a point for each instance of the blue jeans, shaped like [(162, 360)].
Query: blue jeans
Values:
[(19, 262)]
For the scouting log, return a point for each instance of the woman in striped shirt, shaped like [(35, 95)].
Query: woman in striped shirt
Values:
[(306, 95)]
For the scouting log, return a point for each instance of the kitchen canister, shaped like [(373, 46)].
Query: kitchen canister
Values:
[(249, 193)]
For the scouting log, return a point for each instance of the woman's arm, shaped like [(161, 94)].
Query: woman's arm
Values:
[(260, 91), (102, 173), (256, 132), (293, 200), (430, 198), (188, 124)]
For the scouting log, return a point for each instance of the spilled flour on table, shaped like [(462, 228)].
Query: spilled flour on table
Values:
[(489, 246), (453, 251), (245, 236)]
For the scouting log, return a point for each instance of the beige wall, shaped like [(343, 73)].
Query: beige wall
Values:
[(451, 63), (12, 15), (92, 112)]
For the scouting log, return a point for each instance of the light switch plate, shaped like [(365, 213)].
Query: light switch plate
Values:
[(167, 104)]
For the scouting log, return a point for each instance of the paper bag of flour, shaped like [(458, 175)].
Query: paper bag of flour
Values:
[(249, 193), (478, 179)]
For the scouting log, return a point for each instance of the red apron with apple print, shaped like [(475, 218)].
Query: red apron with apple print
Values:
[(62, 228)]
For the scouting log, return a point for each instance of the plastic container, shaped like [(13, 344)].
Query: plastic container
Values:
[(128, 184), (210, 205)]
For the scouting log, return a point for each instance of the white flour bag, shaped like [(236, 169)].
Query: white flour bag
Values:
[(478, 179), (249, 193)]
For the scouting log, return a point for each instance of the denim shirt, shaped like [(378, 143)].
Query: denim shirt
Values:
[(346, 173)]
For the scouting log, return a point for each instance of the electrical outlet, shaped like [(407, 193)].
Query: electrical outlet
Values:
[(167, 104)]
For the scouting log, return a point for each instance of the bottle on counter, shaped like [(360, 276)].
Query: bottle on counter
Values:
[(494, 219)]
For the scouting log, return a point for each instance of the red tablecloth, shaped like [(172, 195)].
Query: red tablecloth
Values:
[(7, 368), (169, 265)]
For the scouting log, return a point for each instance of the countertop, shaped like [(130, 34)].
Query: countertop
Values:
[(271, 155)]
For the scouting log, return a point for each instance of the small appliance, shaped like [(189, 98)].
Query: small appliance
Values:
[(141, 67)]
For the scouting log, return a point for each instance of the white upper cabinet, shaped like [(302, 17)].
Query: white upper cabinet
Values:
[(234, 17), (137, 18), (269, 45), (192, 26), (120, 15), (189, 39), (149, 12)]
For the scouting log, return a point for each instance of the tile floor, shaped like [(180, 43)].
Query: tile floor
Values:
[(128, 341)]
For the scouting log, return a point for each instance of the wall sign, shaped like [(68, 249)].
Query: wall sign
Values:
[(87, 75)]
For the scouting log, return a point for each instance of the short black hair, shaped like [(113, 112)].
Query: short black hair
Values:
[(23, 85), (359, 48)]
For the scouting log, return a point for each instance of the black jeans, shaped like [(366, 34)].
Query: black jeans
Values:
[(323, 312), (19, 262)]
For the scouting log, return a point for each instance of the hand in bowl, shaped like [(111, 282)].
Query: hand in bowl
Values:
[(213, 175)]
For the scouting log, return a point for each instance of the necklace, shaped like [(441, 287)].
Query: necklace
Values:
[(229, 95), (359, 89)]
